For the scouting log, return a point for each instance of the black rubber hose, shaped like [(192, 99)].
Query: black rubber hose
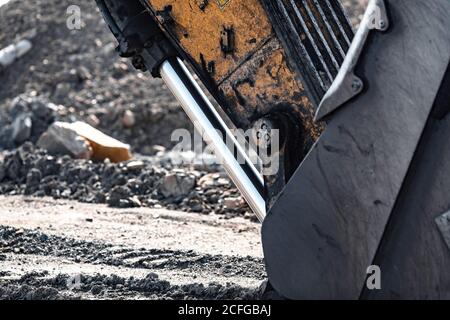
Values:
[(109, 18)]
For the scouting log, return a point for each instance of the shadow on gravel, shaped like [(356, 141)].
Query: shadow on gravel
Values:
[(39, 286)]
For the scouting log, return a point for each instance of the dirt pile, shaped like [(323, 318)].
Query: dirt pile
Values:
[(80, 71), (149, 182)]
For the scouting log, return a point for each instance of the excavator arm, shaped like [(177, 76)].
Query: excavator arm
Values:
[(362, 120)]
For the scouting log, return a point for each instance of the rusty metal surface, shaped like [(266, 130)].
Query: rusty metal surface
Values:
[(316, 36), (199, 29), (234, 49), (265, 84)]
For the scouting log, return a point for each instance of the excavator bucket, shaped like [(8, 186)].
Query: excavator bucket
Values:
[(358, 207), (369, 192)]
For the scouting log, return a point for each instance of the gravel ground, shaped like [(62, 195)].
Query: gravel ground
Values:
[(146, 182), (63, 249), (145, 229)]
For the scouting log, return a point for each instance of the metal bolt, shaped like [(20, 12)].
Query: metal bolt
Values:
[(203, 5), (357, 85)]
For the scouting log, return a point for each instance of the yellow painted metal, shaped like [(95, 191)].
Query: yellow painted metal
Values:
[(223, 3), (199, 31), (254, 79)]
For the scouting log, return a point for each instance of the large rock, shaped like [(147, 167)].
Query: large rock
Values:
[(62, 139), (13, 165), (30, 117), (177, 184), (234, 202), (121, 197), (21, 128)]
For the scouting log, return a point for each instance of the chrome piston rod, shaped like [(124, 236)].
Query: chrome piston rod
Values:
[(214, 130)]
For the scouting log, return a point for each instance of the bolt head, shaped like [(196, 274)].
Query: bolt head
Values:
[(357, 85)]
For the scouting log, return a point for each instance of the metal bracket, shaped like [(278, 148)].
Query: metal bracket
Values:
[(443, 223), (347, 85)]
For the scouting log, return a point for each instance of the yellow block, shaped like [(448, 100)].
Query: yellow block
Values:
[(103, 146)]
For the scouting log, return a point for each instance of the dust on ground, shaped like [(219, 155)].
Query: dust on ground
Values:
[(63, 249)]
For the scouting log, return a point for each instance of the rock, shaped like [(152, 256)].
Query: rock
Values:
[(34, 177), (62, 139), (119, 196), (108, 48), (195, 205), (21, 128), (61, 92), (96, 290), (103, 146), (233, 202), (43, 109), (136, 186), (158, 149), (177, 185), (128, 119), (2, 172), (5, 137), (211, 180), (153, 150), (18, 106), (13, 52), (84, 73), (135, 166), (93, 120), (13, 165), (31, 116), (48, 166), (135, 202)]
